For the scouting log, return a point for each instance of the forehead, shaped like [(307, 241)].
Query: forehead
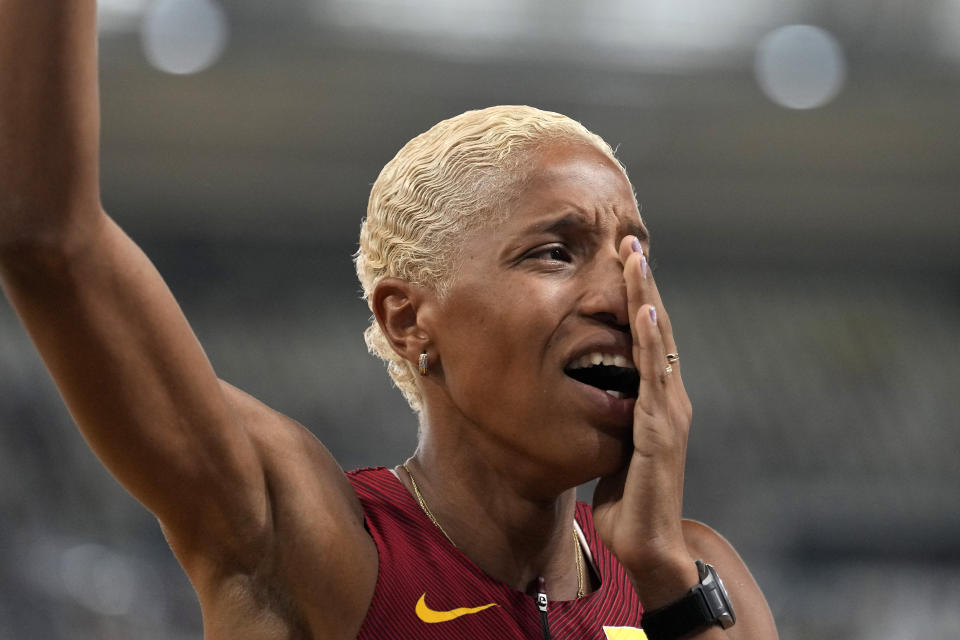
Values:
[(575, 181)]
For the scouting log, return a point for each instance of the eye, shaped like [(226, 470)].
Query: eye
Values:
[(552, 253)]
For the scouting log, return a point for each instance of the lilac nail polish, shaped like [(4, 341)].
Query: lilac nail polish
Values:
[(643, 266), (636, 245), (653, 315)]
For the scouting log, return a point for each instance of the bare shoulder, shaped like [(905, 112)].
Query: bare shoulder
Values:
[(317, 568), (754, 619)]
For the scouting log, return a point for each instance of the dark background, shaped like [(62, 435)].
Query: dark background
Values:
[(810, 259)]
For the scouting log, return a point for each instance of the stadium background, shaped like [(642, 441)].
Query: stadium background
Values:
[(802, 186)]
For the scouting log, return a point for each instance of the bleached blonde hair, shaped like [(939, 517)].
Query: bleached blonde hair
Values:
[(459, 175)]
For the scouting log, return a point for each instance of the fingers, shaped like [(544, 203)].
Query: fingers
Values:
[(650, 360), (635, 272), (642, 289), (663, 320), (653, 340)]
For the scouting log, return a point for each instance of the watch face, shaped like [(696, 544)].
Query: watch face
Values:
[(717, 599), (719, 602)]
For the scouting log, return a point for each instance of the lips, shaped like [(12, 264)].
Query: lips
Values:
[(608, 371)]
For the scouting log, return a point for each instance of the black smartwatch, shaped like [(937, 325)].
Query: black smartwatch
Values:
[(707, 604)]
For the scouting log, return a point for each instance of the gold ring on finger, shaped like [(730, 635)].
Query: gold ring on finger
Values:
[(669, 369), (672, 357)]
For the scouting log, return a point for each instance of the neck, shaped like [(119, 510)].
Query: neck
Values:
[(509, 528)]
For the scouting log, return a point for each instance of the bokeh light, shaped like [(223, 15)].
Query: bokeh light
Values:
[(184, 36), (99, 579), (945, 22), (800, 66), (120, 15)]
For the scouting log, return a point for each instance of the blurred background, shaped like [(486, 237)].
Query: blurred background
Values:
[(798, 164)]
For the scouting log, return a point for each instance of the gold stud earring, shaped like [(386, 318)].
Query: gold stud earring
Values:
[(424, 364)]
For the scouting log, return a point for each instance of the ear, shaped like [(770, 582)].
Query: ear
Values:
[(398, 305)]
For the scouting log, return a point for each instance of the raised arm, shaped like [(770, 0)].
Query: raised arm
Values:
[(125, 360), (231, 482)]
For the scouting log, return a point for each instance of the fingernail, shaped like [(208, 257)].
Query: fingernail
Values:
[(636, 245), (643, 266), (653, 315)]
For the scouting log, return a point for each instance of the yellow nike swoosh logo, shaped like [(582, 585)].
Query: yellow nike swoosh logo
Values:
[(427, 614)]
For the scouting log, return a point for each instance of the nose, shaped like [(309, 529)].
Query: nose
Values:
[(605, 292)]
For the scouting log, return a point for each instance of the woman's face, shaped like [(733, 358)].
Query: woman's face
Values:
[(533, 299)]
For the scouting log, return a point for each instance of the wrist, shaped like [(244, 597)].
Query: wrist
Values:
[(665, 581)]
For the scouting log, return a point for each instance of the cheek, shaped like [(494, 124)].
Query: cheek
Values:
[(501, 337)]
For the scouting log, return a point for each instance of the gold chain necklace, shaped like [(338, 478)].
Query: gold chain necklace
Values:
[(433, 519)]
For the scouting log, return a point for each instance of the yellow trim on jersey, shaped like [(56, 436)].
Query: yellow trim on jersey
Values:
[(624, 633)]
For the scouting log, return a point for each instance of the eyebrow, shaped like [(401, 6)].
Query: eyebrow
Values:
[(574, 220), (637, 229)]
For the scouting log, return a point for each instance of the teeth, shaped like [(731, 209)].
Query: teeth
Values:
[(615, 394), (597, 358)]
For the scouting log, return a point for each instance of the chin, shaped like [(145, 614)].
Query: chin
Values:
[(605, 455)]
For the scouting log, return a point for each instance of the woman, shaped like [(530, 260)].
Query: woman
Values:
[(505, 263)]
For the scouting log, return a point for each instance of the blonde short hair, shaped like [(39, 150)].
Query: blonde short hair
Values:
[(460, 174)]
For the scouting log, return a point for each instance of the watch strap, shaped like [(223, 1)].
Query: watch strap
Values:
[(679, 618), (705, 605)]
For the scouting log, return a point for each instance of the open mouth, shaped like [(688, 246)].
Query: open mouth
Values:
[(611, 373)]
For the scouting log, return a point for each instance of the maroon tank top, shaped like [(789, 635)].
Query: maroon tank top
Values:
[(426, 588)]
